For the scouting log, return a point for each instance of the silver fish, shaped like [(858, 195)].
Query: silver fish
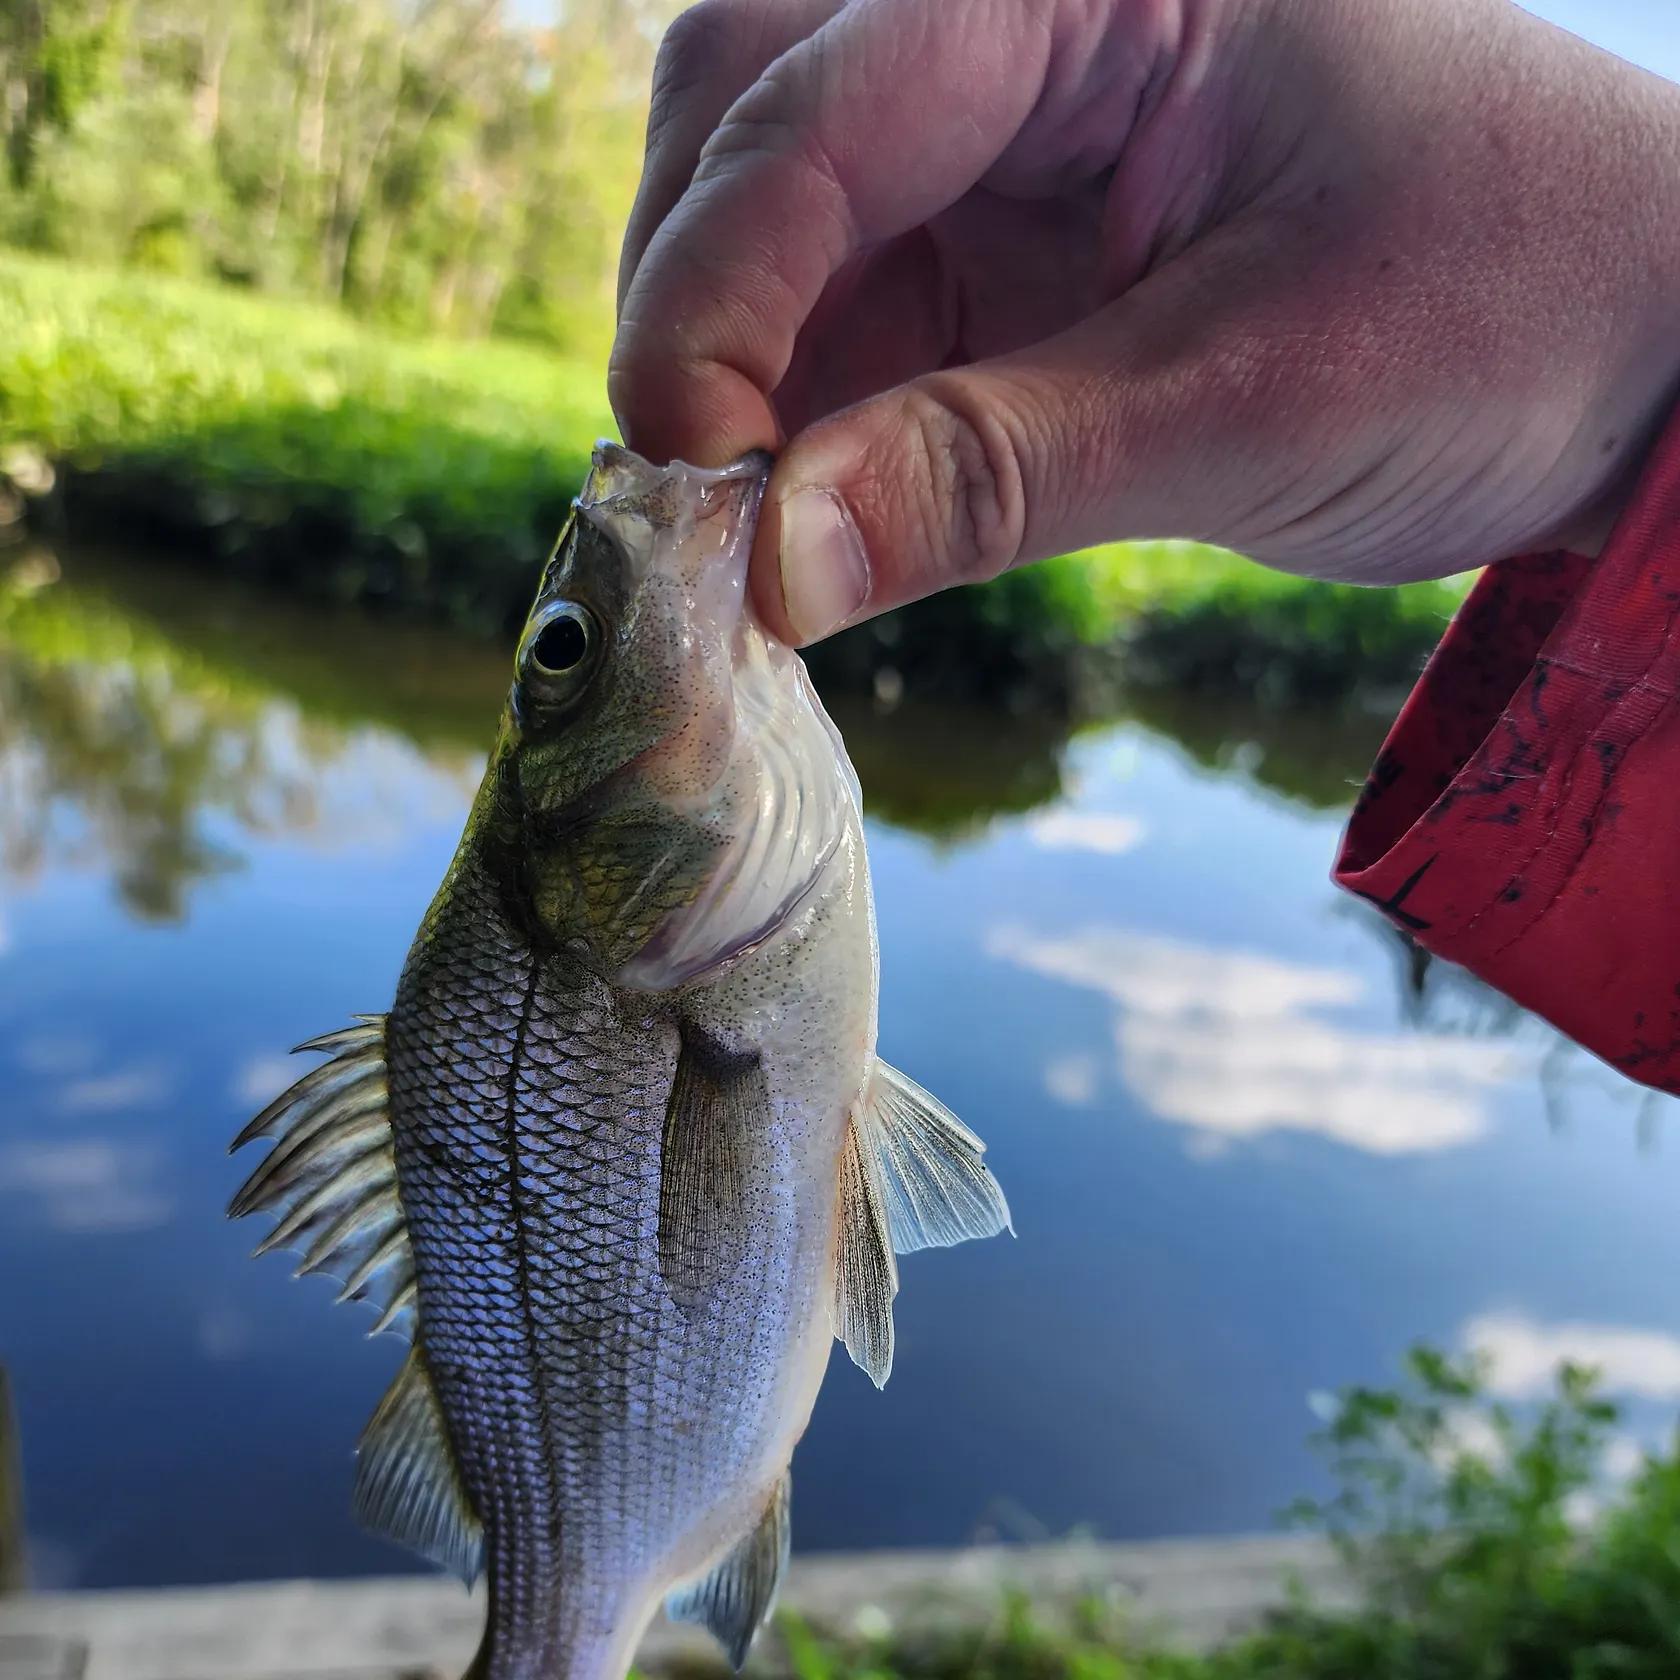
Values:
[(621, 1159)]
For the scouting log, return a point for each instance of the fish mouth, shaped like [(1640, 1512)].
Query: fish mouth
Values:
[(695, 524), (623, 483)]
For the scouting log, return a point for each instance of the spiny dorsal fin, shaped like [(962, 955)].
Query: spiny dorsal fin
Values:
[(719, 1105), (865, 1273), (331, 1177), (408, 1487), (735, 1600), (938, 1190)]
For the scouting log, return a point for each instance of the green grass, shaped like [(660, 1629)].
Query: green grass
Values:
[(289, 439), (287, 442), (1462, 1520)]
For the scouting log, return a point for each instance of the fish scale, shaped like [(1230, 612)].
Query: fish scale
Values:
[(566, 1102), (451, 1039), (621, 1159)]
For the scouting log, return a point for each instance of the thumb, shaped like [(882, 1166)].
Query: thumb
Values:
[(1107, 431)]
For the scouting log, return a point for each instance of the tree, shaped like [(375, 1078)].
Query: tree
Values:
[(431, 163)]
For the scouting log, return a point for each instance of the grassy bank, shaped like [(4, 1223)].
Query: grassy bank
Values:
[(285, 442), (1491, 1545), (288, 443)]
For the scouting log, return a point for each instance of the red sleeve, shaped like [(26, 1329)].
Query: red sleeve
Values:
[(1523, 818)]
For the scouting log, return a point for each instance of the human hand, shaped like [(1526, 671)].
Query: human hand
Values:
[(1365, 289)]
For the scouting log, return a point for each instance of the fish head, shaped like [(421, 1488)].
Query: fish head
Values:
[(669, 782)]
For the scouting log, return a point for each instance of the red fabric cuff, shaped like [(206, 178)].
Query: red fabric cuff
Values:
[(1523, 818)]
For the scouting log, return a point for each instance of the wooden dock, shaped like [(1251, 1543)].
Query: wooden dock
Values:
[(425, 1628)]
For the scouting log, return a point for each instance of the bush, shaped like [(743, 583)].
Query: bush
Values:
[(1150, 614), (1466, 1525)]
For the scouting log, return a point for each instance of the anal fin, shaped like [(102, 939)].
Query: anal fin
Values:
[(408, 1487), (735, 1600)]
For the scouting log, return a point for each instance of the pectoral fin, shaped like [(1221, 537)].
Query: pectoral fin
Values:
[(912, 1176), (408, 1487), (332, 1175), (718, 1110), (938, 1189), (735, 1600)]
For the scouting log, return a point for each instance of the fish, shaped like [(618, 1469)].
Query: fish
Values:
[(620, 1160)]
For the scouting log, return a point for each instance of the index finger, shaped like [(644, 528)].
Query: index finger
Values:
[(710, 56), (884, 116)]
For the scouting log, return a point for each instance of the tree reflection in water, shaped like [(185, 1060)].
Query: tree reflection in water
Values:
[(128, 748), (1440, 997), (151, 716)]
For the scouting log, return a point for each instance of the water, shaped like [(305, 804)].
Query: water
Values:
[(1252, 1151)]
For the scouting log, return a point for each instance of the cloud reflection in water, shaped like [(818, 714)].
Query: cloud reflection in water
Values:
[(1523, 1356), (87, 1185), (1107, 833), (1223, 1041)]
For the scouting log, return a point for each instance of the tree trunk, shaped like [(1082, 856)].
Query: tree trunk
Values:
[(207, 93), (23, 88)]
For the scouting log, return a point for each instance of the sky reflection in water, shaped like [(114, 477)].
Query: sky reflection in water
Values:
[(1247, 1160)]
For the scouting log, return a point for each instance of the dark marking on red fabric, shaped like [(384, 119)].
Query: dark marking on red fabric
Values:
[(1523, 818)]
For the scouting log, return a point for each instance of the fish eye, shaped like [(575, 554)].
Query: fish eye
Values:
[(561, 645), (558, 648)]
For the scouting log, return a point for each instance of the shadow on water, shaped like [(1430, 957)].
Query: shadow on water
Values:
[(143, 705), (137, 705), (1315, 757), (439, 688)]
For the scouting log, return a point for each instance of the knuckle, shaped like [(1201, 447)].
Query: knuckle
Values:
[(971, 482), (764, 121)]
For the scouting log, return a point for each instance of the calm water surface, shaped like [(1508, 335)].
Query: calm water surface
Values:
[(1252, 1152)]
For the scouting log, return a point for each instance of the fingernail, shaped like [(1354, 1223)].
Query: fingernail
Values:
[(825, 572)]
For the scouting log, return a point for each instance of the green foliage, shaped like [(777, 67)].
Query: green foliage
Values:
[(1201, 615), (55, 59), (1173, 612), (1468, 1525), (294, 443), (440, 166), (1463, 1522)]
